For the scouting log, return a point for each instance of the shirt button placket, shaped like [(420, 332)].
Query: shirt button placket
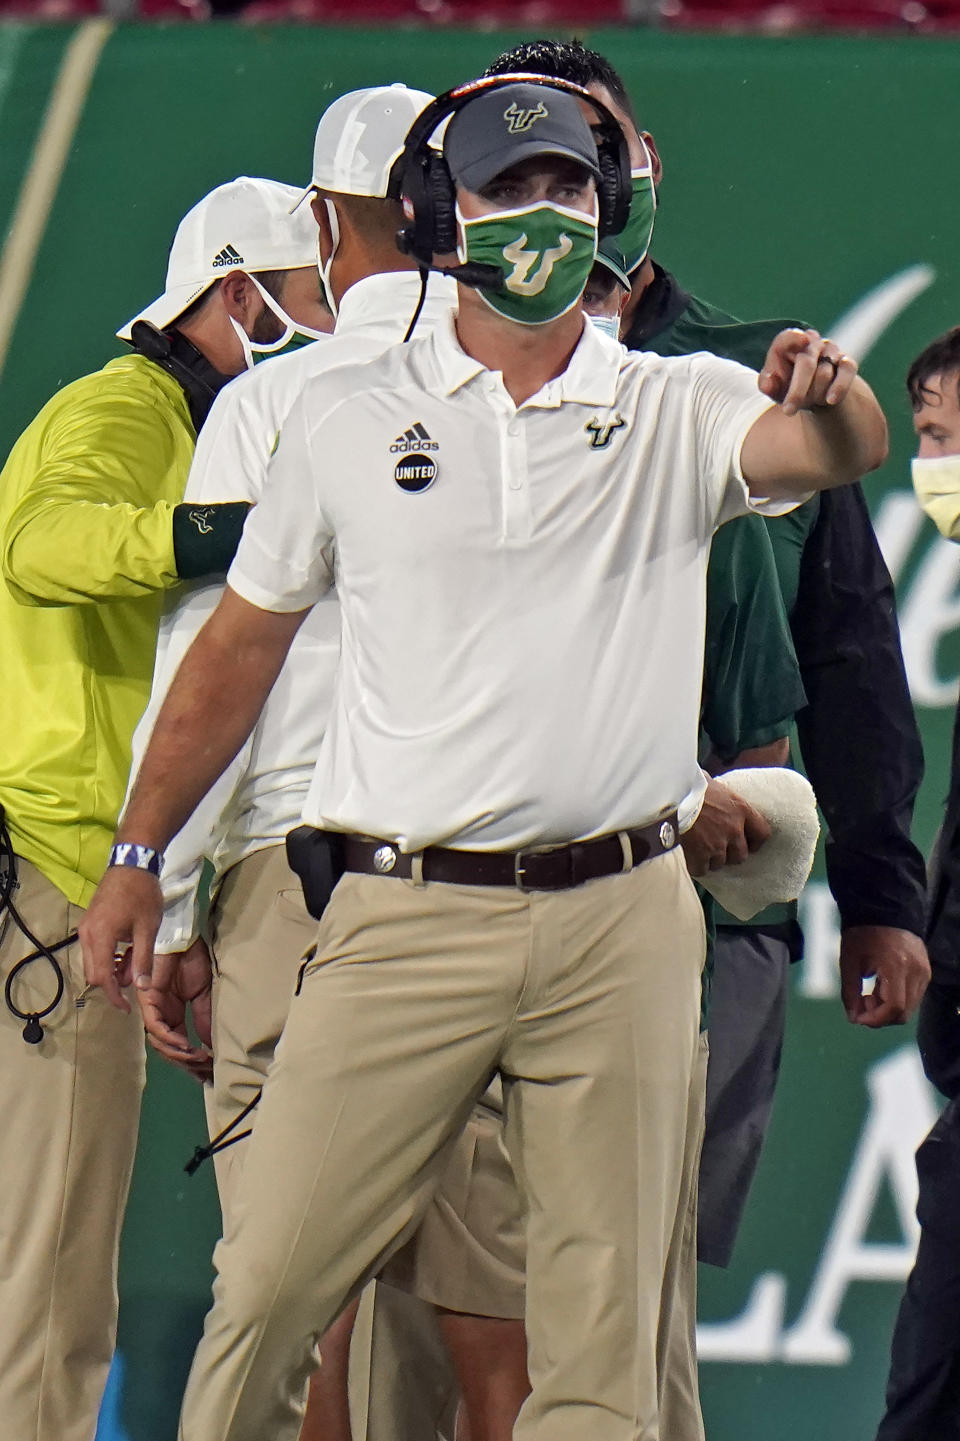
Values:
[(516, 495)]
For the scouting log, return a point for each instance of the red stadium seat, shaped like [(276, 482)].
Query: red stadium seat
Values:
[(483, 14), (786, 16)]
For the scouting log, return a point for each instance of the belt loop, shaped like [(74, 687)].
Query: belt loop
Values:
[(416, 868), (626, 845)]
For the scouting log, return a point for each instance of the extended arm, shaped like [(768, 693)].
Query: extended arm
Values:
[(210, 710), (826, 429), (861, 749)]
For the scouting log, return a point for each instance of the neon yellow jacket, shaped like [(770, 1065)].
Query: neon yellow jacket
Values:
[(86, 552)]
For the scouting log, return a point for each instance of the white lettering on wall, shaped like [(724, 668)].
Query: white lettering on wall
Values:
[(929, 611), (901, 1111), (819, 918), (859, 328), (897, 523)]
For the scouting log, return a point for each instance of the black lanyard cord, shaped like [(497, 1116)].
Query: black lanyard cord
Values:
[(221, 1141), (32, 1030)]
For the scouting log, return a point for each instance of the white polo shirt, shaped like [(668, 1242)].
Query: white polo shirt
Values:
[(260, 795), (522, 589)]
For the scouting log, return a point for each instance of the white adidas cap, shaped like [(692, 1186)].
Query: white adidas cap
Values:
[(246, 224), (360, 137)]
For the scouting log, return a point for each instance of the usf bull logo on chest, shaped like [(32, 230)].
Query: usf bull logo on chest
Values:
[(602, 432)]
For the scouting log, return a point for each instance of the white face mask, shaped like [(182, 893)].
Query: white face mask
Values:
[(290, 329), (936, 481), (326, 268), (607, 325)]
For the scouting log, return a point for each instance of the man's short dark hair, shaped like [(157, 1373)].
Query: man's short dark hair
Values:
[(567, 60), (941, 357)]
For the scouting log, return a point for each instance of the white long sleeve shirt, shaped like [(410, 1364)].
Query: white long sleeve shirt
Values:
[(259, 797)]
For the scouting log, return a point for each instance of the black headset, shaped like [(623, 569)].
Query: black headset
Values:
[(422, 175), (200, 381)]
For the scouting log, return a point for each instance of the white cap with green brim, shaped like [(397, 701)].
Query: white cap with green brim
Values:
[(360, 138), (247, 225)]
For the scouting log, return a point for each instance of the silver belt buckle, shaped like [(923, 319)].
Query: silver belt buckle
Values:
[(524, 860), (519, 869)]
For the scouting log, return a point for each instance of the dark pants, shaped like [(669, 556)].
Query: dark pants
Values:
[(923, 1390), (745, 1024)]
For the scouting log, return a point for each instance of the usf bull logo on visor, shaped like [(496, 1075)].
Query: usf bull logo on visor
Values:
[(519, 120)]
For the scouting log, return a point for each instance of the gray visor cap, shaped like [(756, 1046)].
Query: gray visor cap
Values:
[(510, 124)]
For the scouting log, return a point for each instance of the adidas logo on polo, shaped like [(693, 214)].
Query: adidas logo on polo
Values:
[(416, 470), (416, 438), (227, 256)]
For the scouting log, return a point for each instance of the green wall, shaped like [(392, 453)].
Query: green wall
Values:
[(800, 174)]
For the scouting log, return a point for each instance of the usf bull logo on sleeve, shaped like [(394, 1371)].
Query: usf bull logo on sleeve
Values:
[(544, 253), (519, 121)]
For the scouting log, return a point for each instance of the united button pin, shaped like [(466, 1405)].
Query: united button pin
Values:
[(415, 472), (416, 469)]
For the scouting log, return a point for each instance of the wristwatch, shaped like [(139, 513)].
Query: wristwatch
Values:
[(142, 858)]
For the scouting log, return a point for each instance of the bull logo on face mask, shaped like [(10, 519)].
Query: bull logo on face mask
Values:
[(520, 120), (524, 260)]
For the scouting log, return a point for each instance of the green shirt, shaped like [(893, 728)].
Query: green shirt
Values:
[(86, 549), (758, 643), (751, 681)]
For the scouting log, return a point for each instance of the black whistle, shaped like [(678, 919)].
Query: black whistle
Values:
[(33, 1031)]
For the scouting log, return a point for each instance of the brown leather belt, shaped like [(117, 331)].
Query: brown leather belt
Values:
[(557, 868)]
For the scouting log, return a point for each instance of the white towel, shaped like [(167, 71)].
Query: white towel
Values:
[(778, 871)]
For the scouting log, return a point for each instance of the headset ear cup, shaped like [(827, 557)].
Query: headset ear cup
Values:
[(443, 205), (613, 194)]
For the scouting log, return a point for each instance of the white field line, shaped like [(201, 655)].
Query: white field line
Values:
[(64, 108)]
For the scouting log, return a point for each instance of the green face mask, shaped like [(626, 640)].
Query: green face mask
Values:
[(634, 238), (545, 251)]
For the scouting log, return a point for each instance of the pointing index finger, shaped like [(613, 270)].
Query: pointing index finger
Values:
[(778, 365), (806, 360)]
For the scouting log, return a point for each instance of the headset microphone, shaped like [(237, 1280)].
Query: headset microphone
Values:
[(481, 277)]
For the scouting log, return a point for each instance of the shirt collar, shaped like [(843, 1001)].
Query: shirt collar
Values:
[(594, 369), (449, 365), (589, 379), (389, 300)]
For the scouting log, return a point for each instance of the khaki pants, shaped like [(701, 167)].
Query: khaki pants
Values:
[(401, 1383), (587, 1001), (71, 1112), (469, 1252), (680, 1416)]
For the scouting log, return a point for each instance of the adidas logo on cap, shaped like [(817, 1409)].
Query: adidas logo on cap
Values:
[(227, 256), (416, 438)]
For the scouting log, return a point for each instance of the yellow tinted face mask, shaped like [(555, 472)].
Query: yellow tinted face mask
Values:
[(936, 481)]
